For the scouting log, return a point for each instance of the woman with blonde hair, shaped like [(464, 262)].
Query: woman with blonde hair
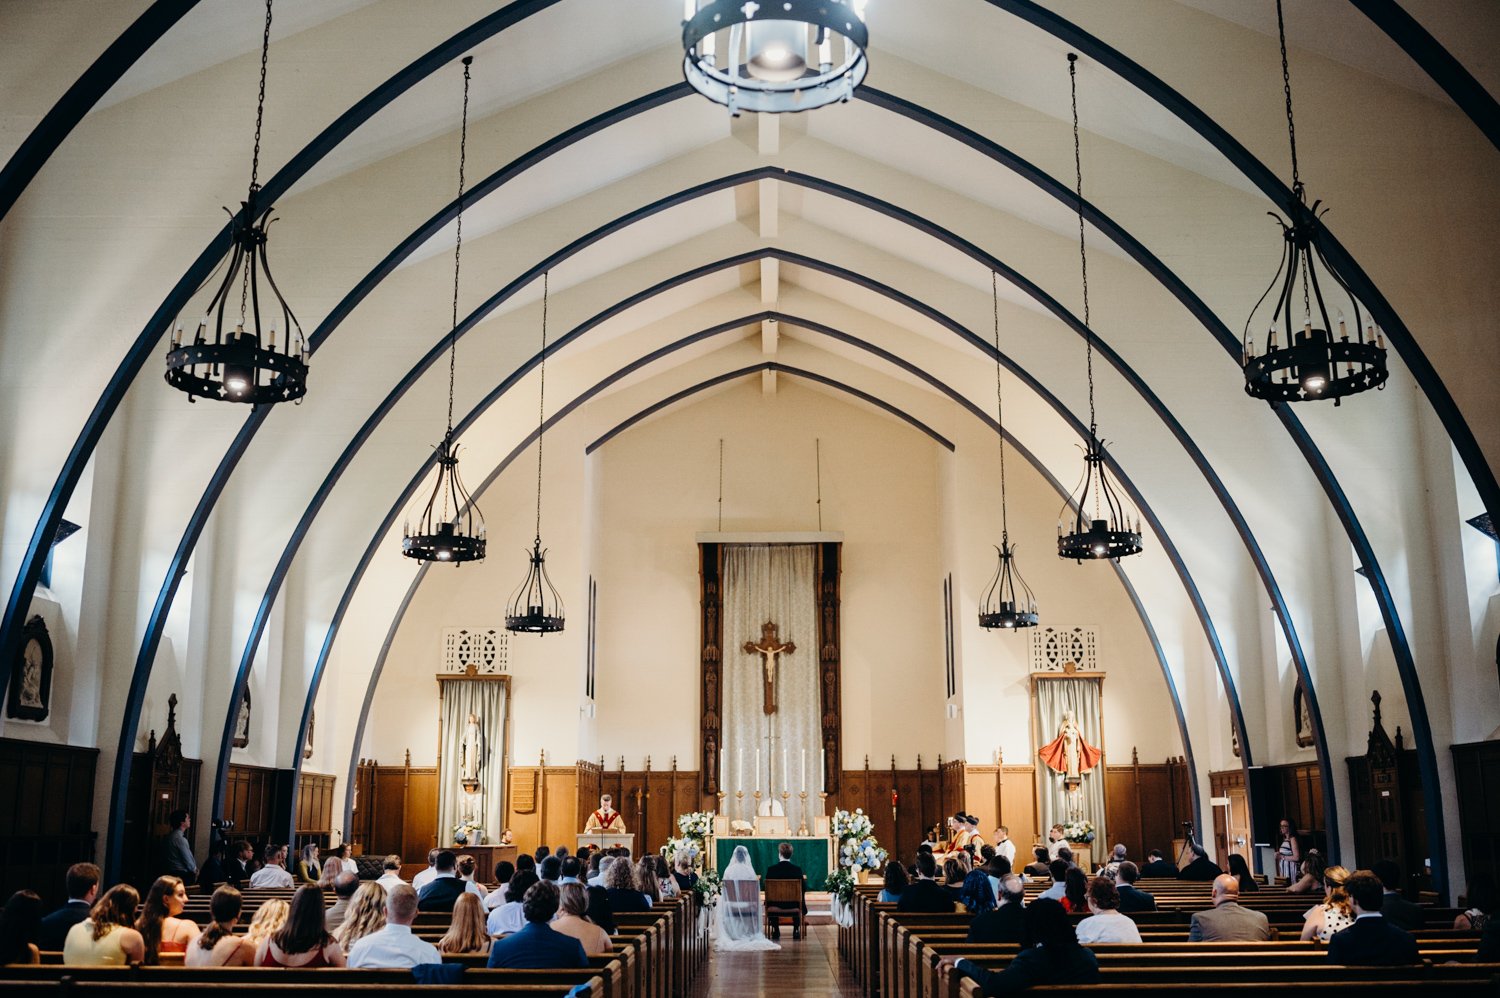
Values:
[(269, 918), (218, 946), (1335, 914), (337, 861), (645, 879), (366, 914), (573, 920), (160, 928), (309, 870), (466, 932), (107, 937)]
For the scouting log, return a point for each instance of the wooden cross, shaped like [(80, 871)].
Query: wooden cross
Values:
[(769, 649)]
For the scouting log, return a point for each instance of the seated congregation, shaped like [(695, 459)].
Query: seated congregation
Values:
[(599, 920), (966, 923)]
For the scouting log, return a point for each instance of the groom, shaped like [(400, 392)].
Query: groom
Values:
[(786, 870)]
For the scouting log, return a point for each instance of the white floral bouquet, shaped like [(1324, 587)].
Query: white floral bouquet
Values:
[(697, 825), (692, 847), (862, 853), (852, 824), (467, 832), (707, 888), (1079, 831)]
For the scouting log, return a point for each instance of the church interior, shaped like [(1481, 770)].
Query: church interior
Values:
[(607, 428)]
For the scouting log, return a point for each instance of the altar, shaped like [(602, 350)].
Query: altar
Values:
[(813, 853)]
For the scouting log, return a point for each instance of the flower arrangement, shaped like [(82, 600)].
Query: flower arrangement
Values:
[(693, 848), (862, 854), (707, 888), (851, 824), (697, 825), (467, 831), (1079, 831), (841, 886)]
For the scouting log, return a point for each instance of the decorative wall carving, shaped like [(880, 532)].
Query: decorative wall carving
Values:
[(485, 649), (1052, 648)]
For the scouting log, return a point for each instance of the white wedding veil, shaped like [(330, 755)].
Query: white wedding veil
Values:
[(741, 918)]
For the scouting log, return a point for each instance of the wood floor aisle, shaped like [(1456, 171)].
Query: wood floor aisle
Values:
[(806, 967)]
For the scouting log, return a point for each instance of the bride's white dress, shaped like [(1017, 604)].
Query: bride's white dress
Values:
[(741, 920)]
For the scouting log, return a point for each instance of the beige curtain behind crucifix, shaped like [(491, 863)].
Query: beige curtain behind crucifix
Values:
[(1080, 697), (776, 583)]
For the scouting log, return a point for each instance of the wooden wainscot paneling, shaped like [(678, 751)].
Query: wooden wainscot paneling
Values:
[(249, 799), (314, 815), (922, 797), (39, 841), (1145, 804), (649, 798), (1476, 771), (402, 809), (1385, 787)]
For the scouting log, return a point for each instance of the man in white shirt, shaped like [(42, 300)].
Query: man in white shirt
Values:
[(428, 875), (1059, 869), (274, 873), (392, 875), (1055, 840), (1004, 846), (598, 879), (1105, 923), (394, 946)]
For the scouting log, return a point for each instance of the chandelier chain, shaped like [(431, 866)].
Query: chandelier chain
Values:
[(721, 483), (1083, 255), (458, 243), (260, 114), (541, 408), (999, 406), (1286, 87)]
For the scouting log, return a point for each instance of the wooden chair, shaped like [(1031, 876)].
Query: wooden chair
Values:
[(784, 900)]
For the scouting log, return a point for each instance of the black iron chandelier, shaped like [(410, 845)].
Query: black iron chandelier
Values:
[(774, 55), (1312, 364), (1008, 601), (439, 536), (536, 608), (1102, 524), (244, 364)]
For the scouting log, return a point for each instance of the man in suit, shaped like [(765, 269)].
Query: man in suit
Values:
[(538, 946), (1227, 921), (83, 891), (1201, 868), (601, 913), (177, 855), (445, 887), (1003, 924), (785, 870), (1132, 898), (1371, 941), (923, 893), (1396, 909), (1158, 866)]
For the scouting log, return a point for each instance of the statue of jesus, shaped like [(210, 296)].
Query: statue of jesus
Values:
[(770, 649), (1068, 753)]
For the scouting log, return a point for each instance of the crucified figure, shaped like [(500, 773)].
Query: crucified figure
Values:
[(769, 649)]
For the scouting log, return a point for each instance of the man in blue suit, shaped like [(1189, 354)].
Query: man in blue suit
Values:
[(538, 946), (1371, 941)]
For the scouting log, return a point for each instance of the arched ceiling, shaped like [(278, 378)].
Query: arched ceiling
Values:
[(661, 217)]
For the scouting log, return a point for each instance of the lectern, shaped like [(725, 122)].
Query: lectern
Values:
[(607, 840)]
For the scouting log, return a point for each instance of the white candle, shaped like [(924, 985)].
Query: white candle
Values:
[(739, 767), (757, 770), (786, 780), (804, 770), (723, 767), (822, 770)]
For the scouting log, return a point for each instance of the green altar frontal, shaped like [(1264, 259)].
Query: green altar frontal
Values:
[(809, 853)]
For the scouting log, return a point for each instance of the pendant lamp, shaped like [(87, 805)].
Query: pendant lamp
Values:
[(450, 527), (1312, 364), (1102, 525), (244, 364), (535, 608), (1007, 602)]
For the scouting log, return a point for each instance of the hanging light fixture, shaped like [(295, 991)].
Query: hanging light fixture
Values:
[(1008, 601), (244, 364), (536, 608), (438, 536), (775, 55), (1313, 364), (1101, 519)]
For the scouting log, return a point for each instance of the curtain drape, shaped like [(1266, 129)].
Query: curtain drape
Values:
[(1054, 697), (777, 583), (486, 699)]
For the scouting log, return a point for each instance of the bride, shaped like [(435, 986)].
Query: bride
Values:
[(741, 920)]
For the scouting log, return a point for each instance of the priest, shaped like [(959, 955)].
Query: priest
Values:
[(606, 819)]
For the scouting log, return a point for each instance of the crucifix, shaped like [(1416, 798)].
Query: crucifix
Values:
[(769, 649)]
